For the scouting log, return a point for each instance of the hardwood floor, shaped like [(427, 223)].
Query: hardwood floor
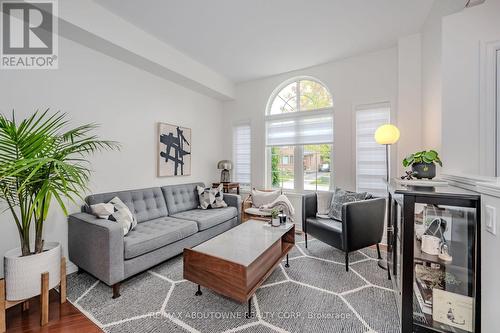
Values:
[(62, 318)]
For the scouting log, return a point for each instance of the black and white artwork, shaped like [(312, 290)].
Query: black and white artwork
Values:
[(174, 150)]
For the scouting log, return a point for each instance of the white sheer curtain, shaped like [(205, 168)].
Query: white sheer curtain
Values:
[(242, 154), (299, 128), (370, 156)]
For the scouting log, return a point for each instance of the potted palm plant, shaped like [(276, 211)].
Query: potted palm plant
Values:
[(41, 161)]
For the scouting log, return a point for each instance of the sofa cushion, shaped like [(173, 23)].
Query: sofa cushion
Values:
[(146, 204), (207, 218), (151, 235), (180, 198)]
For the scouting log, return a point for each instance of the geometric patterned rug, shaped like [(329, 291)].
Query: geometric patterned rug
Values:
[(314, 294)]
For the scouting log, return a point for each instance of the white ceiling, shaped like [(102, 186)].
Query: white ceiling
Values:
[(249, 39)]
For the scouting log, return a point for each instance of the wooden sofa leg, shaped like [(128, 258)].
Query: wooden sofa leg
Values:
[(116, 290), (347, 261), (378, 252), (305, 234)]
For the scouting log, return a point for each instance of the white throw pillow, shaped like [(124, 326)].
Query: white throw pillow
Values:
[(102, 210), (323, 200), (119, 214), (261, 198)]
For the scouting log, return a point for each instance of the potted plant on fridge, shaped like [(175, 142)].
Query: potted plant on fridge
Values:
[(42, 160), (423, 163)]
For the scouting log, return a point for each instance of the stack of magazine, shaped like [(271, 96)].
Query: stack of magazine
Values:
[(426, 279)]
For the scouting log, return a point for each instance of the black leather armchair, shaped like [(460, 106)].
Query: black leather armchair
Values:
[(362, 225)]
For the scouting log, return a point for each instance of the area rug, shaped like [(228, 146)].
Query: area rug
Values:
[(314, 294)]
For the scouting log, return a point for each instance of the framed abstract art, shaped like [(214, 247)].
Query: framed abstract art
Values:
[(174, 150)]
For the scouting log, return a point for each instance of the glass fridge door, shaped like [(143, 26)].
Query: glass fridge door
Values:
[(444, 268)]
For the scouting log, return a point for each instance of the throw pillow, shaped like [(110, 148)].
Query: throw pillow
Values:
[(323, 200), (211, 197), (341, 197), (261, 198), (119, 214)]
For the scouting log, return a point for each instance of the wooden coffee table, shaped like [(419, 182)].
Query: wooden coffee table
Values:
[(236, 262)]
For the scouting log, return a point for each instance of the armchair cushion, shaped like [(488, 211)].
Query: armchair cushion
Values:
[(324, 200), (341, 197), (260, 198)]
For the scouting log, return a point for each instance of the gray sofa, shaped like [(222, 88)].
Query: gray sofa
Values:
[(168, 221)]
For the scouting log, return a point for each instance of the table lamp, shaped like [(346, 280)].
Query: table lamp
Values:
[(386, 135), (225, 166)]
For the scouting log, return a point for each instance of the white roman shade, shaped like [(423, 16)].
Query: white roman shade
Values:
[(242, 154), (299, 128), (370, 156)]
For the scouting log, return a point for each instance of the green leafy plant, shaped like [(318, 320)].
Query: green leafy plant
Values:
[(274, 213), (424, 156), (41, 159)]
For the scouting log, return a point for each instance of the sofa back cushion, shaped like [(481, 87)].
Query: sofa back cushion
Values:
[(180, 198), (146, 204)]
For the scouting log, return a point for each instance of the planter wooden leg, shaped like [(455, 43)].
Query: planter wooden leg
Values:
[(62, 286), (44, 300), (3, 326)]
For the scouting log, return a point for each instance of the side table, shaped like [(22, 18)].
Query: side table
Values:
[(227, 187)]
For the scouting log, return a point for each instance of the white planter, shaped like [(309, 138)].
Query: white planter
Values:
[(22, 274), (275, 222)]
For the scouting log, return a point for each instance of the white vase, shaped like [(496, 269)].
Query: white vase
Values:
[(275, 222), (22, 274)]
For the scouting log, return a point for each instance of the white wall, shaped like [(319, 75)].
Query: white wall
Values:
[(409, 97), (431, 71), (368, 78), (128, 103), (464, 34)]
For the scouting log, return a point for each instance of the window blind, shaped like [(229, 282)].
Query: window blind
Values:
[(370, 156), (242, 154), (299, 128)]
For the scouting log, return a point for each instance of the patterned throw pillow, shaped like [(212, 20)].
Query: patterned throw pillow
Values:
[(115, 210), (341, 197), (211, 197)]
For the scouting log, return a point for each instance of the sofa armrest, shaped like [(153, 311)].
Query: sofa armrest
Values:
[(363, 222), (96, 245), (309, 208), (234, 200)]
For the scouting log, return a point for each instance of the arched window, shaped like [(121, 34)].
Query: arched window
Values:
[(299, 135), (302, 94)]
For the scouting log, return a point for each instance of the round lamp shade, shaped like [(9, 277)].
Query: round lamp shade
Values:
[(387, 134), (225, 165)]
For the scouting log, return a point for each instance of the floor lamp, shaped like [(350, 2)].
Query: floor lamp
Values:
[(386, 135)]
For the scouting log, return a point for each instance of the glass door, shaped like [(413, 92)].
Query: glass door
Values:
[(444, 267)]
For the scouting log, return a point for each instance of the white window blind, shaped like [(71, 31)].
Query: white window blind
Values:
[(299, 128), (242, 154), (370, 156)]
